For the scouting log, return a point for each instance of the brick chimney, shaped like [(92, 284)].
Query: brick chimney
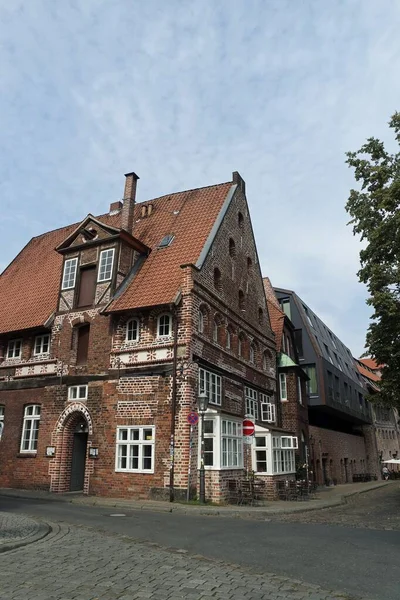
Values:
[(128, 201), (236, 178)]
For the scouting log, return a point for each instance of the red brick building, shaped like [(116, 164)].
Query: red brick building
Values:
[(108, 330)]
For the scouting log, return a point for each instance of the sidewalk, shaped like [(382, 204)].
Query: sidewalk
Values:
[(326, 498)]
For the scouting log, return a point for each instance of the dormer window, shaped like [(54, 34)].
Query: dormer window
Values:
[(69, 275), (132, 330), (42, 344), (14, 349), (106, 265), (164, 326)]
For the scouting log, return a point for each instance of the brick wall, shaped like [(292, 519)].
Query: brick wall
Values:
[(343, 455)]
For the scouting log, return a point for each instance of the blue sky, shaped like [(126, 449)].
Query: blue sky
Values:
[(184, 93)]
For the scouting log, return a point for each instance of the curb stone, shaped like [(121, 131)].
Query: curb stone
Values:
[(43, 530)]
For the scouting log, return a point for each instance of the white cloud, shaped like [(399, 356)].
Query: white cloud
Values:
[(186, 93)]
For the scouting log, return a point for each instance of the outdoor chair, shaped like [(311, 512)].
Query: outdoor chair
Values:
[(233, 491)]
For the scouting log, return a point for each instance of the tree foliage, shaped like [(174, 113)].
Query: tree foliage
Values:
[(375, 216)]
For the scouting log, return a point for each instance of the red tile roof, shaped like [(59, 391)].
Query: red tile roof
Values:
[(189, 216), (371, 363), (367, 374), (30, 284), (276, 314)]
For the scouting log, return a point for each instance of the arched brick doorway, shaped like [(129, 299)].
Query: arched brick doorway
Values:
[(71, 467)]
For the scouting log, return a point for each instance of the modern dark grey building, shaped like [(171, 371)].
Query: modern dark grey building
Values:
[(336, 390)]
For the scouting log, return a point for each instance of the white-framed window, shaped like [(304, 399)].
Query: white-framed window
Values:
[(30, 428), (299, 392), (1, 420), (260, 462), (212, 384), (251, 397), (283, 456), (223, 443), (164, 326), (268, 410), (78, 392), (201, 322), (283, 387), (135, 449), (106, 265), (69, 275), (232, 444), (14, 349), (42, 344), (132, 330), (288, 441)]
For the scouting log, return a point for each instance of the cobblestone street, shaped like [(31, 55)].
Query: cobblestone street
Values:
[(74, 563), (378, 509)]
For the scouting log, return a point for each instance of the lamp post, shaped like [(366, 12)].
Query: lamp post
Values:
[(202, 403)]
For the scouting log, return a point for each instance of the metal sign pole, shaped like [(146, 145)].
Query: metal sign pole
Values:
[(190, 461)]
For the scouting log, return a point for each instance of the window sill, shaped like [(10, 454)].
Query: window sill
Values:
[(31, 454), (134, 471)]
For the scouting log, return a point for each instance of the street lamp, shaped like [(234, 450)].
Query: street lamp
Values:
[(202, 403)]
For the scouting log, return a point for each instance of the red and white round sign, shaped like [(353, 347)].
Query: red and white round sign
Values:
[(248, 427)]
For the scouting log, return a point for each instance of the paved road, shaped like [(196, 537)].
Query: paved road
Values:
[(355, 561)]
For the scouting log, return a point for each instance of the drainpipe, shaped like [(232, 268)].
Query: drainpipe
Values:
[(173, 408)]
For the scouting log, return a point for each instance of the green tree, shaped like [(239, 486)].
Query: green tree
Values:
[(375, 216)]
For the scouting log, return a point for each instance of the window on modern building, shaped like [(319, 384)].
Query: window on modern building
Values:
[(106, 265), (132, 330), (298, 339), (283, 452), (346, 393), (78, 392), (268, 409), (283, 387), (1, 420), (69, 274), (308, 316), (14, 349), (311, 385), (87, 286), (337, 389), (82, 345), (42, 344), (332, 339), (251, 399), (241, 300), (135, 449), (164, 325), (299, 392), (217, 279), (232, 248), (211, 384), (331, 394), (288, 346), (328, 353), (285, 305), (30, 428)]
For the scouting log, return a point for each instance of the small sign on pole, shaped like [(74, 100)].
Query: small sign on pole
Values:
[(193, 418), (248, 427)]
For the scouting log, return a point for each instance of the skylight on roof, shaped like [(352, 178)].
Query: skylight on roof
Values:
[(166, 241)]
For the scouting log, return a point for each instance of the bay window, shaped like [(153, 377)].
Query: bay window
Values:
[(223, 443)]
